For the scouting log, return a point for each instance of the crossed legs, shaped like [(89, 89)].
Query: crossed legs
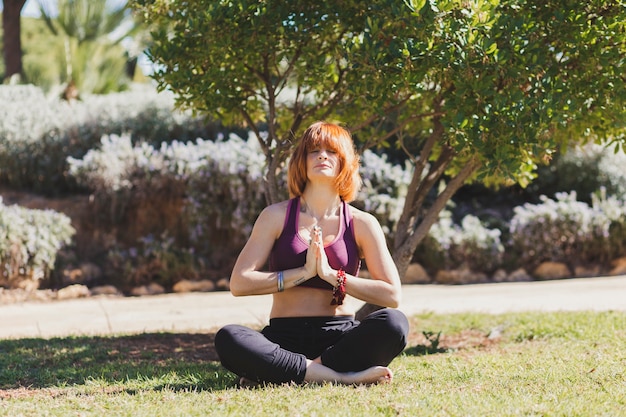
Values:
[(360, 356)]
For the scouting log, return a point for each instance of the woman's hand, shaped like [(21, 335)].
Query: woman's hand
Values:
[(310, 265), (324, 270)]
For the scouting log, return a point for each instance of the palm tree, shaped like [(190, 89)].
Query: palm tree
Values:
[(91, 33)]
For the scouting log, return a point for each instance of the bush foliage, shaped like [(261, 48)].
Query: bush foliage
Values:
[(219, 185), (38, 132), (29, 242), (202, 191), (223, 182), (570, 231)]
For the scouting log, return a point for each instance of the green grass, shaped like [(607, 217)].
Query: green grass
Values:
[(543, 364)]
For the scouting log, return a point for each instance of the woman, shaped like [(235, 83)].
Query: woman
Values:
[(313, 245)]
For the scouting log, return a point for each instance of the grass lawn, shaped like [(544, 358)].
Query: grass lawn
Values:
[(522, 364)]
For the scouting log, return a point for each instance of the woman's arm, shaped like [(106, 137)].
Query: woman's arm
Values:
[(384, 289), (247, 277)]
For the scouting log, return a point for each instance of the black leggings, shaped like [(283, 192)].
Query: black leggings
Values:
[(278, 353)]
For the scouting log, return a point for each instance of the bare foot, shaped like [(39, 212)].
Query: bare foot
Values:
[(373, 375)]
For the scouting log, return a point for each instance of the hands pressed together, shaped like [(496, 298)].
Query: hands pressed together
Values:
[(316, 259)]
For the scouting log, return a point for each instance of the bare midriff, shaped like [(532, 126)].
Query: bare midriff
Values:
[(307, 302)]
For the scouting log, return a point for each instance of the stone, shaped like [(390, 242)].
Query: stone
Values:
[(223, 284), (73, 291), (552, 270), (460, 276), (619, 266), (186, 285), (519, 275), (500, 275), (416, 274), (586, 271), (105, 290), (150, 289)]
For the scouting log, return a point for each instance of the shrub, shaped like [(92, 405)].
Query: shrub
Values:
[(570, 231), (29, 242), (225, 196), (452, 246), (219, 186), (153, 259), (613, 175), (38, 133), (583, 169), (221, 183), (217, 190), (384, 188)]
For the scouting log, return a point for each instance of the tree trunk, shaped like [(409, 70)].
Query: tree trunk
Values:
[(404, 252), (12, 40), (420, 226)]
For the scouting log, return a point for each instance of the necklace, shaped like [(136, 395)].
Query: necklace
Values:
[(327, 213)]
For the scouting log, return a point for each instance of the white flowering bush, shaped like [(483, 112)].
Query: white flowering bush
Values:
[(222, 183), (611, 166), (219, 186), (469, 244), (384, 188), (116, 165), (570, 231), (226, 194), (38, 133), (30, 241), (584, 169)]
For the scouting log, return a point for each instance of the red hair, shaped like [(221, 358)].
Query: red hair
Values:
[(333, 137)]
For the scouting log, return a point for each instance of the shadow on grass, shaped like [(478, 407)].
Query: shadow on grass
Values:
[(176, 361), (423, 350), (44, 363)]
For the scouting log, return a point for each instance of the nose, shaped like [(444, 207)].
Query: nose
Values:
[(322, 155)]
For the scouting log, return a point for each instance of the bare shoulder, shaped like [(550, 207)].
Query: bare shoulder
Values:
[(277, 209), (272, 218), (364, 222)]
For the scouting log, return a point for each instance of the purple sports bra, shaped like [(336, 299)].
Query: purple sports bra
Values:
[(289, 250)]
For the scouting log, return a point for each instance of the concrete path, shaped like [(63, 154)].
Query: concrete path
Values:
[(200, 312)]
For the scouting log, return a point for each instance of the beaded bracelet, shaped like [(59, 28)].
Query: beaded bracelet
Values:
[(339, 292)]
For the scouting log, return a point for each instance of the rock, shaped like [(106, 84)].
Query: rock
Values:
[(186, 285), (150, 289), (223, 284), (73, 291), (41, 295), (619, 266), (416, 274), (460, 276), (586, 271), (27, 284), (519, 275), (500, 276), (552, 270), (105, 290)]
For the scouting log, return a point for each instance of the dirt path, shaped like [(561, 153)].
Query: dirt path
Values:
[(200, 312)]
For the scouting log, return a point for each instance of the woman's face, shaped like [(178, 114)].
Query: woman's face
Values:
[(322, 162)]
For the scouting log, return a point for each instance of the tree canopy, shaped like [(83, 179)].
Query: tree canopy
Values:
[(481, 90)]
